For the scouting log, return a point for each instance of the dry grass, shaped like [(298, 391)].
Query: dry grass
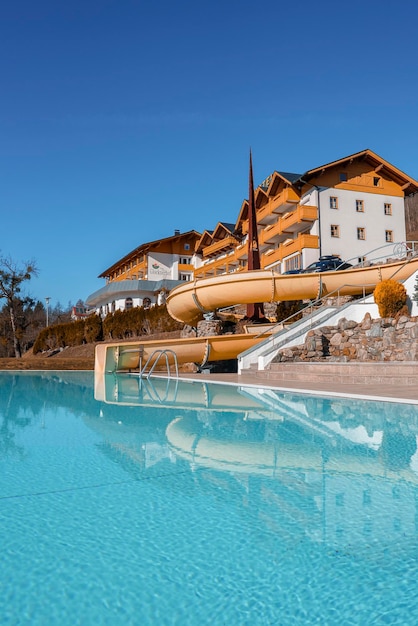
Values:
[(71, 358)]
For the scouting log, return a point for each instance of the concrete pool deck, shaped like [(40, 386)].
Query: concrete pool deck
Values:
[(371, 381)]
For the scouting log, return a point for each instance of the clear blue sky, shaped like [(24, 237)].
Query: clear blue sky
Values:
[(122, 120)]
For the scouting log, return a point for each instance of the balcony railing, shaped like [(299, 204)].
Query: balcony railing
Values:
[(295, 220), (233, 262), (218, 246), (292, 222), (281, 203), (296, 245)]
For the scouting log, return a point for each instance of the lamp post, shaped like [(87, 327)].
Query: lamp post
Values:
[(47, 299)]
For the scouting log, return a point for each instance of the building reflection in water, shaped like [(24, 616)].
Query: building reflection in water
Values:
[(336, 471)]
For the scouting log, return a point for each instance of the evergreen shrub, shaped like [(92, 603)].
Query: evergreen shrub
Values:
[(135, 322), (390, 297)]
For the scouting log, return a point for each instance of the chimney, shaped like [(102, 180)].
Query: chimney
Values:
[(177, 232)]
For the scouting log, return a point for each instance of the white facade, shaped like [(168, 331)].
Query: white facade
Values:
[(352, 224), (128, 294), (164, 272)]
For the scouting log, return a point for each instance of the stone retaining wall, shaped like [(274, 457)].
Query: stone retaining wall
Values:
[(383, 339)]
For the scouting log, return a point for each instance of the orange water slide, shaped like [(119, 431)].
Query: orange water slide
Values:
[(187, 302), (129, 356)]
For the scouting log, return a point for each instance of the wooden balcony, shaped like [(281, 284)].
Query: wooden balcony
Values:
[(223, 245), (297, 245), (292, 246), (273, 234), (205, 271), (223, 265), (236, 261), (270, 257), (185, 267), (292, 222), (295, 221), (241, 251), (281, 203)]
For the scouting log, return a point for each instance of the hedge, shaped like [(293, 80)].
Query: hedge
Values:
[(135, 322)]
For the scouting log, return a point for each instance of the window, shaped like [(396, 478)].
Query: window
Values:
[(293, 263), (129, 303), (376, 181), (333, 202), (185, 260), (185, 277), (367, 497), (187, 246), (396, 494), (388, 208), (335, 230), (361, 233), (388, 236), (339, 499), (361, 260), (343, 177), (360, 206)]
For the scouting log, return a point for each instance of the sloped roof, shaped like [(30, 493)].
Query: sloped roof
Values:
[(291, 178), (228, 225), (129, 289), (144, 247), (408, 184)]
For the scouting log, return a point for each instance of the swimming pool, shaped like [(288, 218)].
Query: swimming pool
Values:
[(180, 503)]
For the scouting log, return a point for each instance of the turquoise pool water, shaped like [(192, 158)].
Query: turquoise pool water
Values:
[(170, 503)]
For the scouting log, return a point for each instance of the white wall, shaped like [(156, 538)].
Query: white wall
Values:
[(160, 266), (373, 220)]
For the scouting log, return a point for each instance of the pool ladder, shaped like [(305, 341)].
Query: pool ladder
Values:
[(154, 359)]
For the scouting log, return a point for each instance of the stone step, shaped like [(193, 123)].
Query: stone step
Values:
[(399, 373)]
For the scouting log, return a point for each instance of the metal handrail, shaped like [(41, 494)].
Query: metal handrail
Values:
[(319, 301), (408, 249), (159, 353), (400, 249), (152, 391)]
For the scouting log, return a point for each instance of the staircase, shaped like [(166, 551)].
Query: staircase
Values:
[(262, 354)]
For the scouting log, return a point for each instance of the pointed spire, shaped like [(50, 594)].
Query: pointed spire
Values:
[(255, 310), (253, 249)]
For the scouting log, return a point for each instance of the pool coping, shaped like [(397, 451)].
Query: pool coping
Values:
[(374, 392)]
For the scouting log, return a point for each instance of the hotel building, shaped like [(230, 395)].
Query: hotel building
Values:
[(349, 208), (147, 273)]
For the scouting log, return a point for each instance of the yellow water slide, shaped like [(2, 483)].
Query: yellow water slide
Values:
[(270, 458), (113, 357), (187, 302)]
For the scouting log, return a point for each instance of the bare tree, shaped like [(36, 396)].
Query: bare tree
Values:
[(11, 278)]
